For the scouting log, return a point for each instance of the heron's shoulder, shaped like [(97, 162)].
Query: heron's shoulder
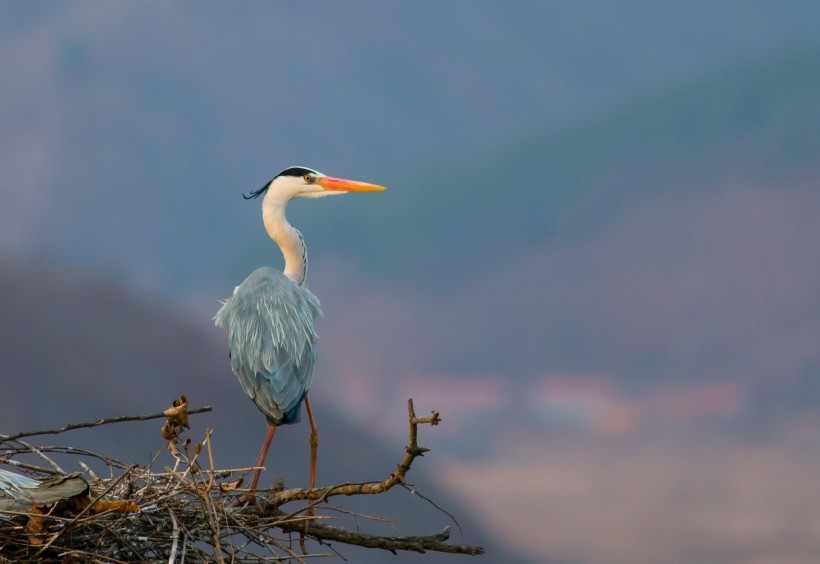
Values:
[(268, 290), (265, 276), (267, 280)]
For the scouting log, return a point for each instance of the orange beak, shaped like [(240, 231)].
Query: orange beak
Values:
[(342, 185)]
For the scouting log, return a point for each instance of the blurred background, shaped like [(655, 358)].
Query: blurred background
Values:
[(597, 258)]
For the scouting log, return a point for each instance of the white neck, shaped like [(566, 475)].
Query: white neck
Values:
[(287, 237)]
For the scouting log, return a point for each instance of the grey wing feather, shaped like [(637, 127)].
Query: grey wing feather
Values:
[(12, 491), (271, 335), (19, 493)]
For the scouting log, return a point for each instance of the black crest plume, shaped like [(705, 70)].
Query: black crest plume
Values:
[(291, 171)]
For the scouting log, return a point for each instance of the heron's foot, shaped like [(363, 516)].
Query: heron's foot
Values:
[(305, 528)]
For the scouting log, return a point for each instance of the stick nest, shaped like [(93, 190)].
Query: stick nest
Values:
[(190, 512)]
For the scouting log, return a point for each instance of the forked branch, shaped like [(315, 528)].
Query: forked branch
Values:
[(436, 543), (90, 424), (411, 451), (190, 508)]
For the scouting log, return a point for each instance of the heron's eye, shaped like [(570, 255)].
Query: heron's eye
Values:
[(308, 178)]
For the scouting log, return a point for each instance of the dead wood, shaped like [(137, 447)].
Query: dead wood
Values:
[(192, 511)]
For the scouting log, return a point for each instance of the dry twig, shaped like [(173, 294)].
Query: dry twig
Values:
[(73, 426), (190, 514), (412, 450)]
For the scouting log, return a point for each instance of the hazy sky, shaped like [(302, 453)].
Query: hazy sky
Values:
[(122, 116)]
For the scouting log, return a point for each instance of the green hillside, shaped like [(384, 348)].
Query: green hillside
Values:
[(763, 119)]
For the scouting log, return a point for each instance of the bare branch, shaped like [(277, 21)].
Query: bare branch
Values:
[(323, 532), (72, 426), (191, 512), (437, 542), (412, 450)]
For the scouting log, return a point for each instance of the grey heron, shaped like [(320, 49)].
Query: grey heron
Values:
[(270, 316)]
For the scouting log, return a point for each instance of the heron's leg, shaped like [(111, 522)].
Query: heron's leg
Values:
[(314, 447), (314, 443), (263, 453)]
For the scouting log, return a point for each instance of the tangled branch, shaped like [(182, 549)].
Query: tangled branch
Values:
[(90, 424), (192, 511), (412, 450)]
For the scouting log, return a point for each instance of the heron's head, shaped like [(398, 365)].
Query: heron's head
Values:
[(298, 181)]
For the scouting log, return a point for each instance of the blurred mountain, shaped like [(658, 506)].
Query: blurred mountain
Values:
[(651, 226), (599, 216), (759, 120), (669, 243), (77, 348), (147, 120)]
